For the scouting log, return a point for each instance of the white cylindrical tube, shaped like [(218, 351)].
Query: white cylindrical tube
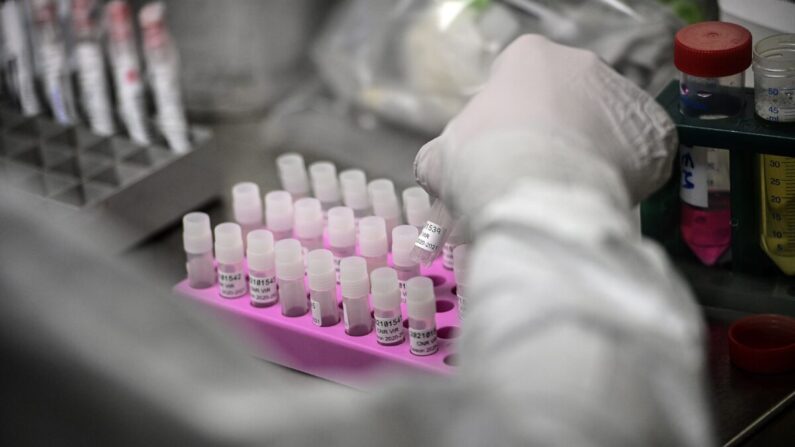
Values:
[(461, 277), (261, 269), (341, 235), (18, 63), (229, 254), (247, 206), (279, 214), (421, 312), (290, 277), (416, 206), (322, 287), (373, 245), (456, 238), (308, 226), (325, 185), (385, 204), (292, 173), (433, 235), (353, 183), (355, 286), (386, 306), (197, 238), (403, 238)]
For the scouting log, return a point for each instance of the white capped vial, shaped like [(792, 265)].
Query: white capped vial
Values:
[(279, 214), (353, 183), (322, 287), (325, 185), (292, 173), (355, 286), (421, 312), (290, 277), (386, 306), (403, 238), (373, 245), (385, 203), (456, 238), (341, 235), (308, 224), (261, 269), (461, 277), (197, 238), (433, 235), (416, 206), (229, 254), (247, 207)]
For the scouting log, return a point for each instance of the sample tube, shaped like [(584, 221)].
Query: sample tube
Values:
[(385, 204), (416, 206), (18, 65), (433, 235), (229, 254), (197, 238), (386, 306), (290, 278), (341, 235), (322, 287), (308, 224), (455, 239), (261, 269), (774, 78), (373, 246), (461, 277), (292, 174), (279, 214), (247, 206), (325, 185), (421, 311), (353, 183), (355, 286), (403, 238)]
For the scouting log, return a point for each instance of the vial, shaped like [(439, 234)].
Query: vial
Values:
[(461, 277), (341, 235), (456, 238), (322, 287), (325, 186), (290, 277), (279, 214), (416, 206), (197, 239), (261, 269), (373, 246), (247, 207), (434, 234), (229, 254), (292, 174), (308, 225), (774, 78), (385, 204), (421, 311), (403, 237), (354, 192), (386, 306), (355, 286)]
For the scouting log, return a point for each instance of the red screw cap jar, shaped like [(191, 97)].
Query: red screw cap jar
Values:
[(763, 343)]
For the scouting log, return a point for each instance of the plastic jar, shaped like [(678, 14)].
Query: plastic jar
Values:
[(774, 78)]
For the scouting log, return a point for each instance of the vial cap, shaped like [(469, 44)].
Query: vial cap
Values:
[(320, 270), (341, 227), (417, 206), (420, 299), (353, 277), (247, 203), (763, 343), (460, 263), (292, 173), (228, 243), (324, 181), (383, 198), (403, 239), (279, 211), (259, 250), (197, 237), (372, 236), (354, 189), (289, 260), (385, 288), (712, 49), (308, 218)]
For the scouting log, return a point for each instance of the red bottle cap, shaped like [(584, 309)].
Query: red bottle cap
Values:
[(763, 343), (712, 49)]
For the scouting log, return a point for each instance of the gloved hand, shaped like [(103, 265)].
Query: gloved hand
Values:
[(551, 113)]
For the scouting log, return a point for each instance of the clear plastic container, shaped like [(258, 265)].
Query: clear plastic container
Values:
[(774, 78)]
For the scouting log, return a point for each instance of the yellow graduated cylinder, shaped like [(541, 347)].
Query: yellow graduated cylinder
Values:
[(778, 210)]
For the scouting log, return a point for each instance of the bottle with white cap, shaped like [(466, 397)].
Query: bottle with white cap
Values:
[(325, 185), (308, 225), (229, 254), (421, 312), (386, 306), (373, 245), (292, 173), (290, 277), (353, 183), (403, 238), (261, 269), (341, 235), (322, 287), (197, 238), (355, 287), (461, 278), (416, 206), (385, 203), (279, 214), (247, 206)]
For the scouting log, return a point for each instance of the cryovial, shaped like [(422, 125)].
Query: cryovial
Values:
[(261, 269), (416, 206), (434, 234), (461, 277), (197, 238), (353, 183), (385, 204), (290, 277), (386, 306), (373, 246), (229, 254), (403, 238), (308, 224), (341, 235), (456, 238), (322, 287), (325, 186), (292, 173), (279, 214), (421, 312), (355, 286), (247, 207)]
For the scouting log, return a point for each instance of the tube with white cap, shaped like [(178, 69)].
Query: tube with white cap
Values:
[(355, 286), (197, 238), (386, 306), (373, 245), (385, 203), (229, 254), (247, 206), (279, 214), (322, 287), (341, 235), (461, 277), (421, 312), (292, 174), (325, 185), (416, 206), (308, 226), (456, 238), (434, 234), (353, 183), (403, 237), (290, 278), (261, 269)]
